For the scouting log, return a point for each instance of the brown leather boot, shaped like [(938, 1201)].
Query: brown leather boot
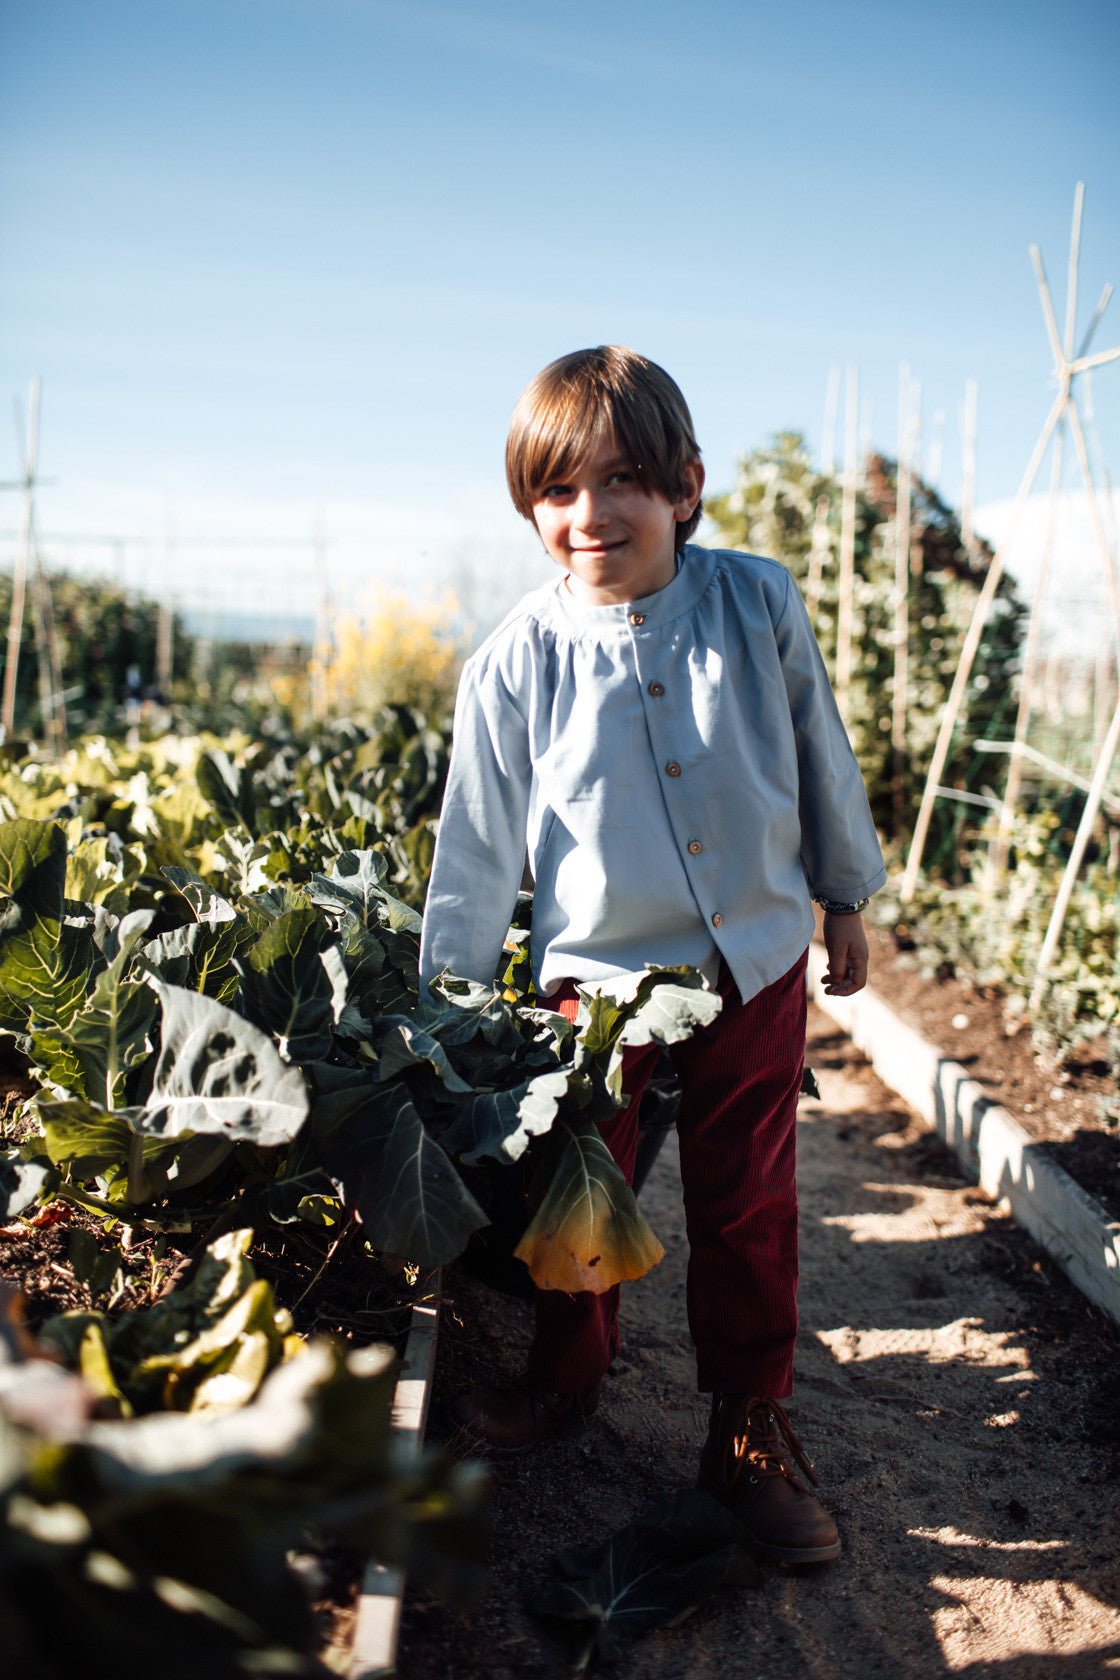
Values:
[(509, 1419), (746, 1464)]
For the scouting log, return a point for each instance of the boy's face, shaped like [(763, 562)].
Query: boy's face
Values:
[(615, 540)]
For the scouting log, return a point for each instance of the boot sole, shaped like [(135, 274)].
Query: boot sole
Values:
[(794, 1554)]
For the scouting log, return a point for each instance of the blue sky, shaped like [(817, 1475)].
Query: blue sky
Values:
[(273, 256)]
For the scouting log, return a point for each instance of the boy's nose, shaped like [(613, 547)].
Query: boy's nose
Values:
[(590, 510)]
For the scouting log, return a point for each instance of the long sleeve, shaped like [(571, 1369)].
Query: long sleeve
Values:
[(480, 849), (839, 847)]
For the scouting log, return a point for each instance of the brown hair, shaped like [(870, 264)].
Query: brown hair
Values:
[(582, 398)]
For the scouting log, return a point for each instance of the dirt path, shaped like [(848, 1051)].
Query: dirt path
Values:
[(960, 1400)]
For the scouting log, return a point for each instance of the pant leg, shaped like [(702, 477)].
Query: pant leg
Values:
[(737, 1129), (576, 1338)]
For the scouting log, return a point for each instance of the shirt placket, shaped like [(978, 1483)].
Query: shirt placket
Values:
[(662, 708)]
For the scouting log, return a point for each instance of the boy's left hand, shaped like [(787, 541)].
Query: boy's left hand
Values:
[(846, 944)]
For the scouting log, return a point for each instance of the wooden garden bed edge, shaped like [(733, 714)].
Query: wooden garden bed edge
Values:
[(373, 1651), (989, 1142)]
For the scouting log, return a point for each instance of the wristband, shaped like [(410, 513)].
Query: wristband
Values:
[(833, 907)]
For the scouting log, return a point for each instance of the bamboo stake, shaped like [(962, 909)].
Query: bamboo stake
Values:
[(56, 724), (1073, 866), (319, 662), (165, 651), (818, 554), (997, 853), (828, 436), (23, 555), (1108, 552), (997, 857), (968, 654), (968, 468), (847, 545), (901, 592), (43, 657), (1074, 256)]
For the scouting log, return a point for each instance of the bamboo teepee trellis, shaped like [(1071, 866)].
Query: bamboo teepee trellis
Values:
[(1063, 411)]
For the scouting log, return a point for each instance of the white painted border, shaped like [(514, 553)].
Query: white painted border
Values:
[(373, 1651), (989, 1143)]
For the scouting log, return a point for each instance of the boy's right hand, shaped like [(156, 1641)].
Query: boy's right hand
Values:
[(845, 942)]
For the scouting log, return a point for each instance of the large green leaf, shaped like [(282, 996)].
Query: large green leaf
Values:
[(204, 899), (102, 871), (400, 1044), (228, 788), (45, 956), (22, 1182), (498, 1125), (357, 883), (398, 1179), (217, 1073), (138, 1169), (588, 1232), (651, 1574), (84, 1137), (93, 1057), (286, 985), (200, 956)]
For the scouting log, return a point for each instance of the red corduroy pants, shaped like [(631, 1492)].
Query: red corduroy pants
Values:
[(740, 1079)]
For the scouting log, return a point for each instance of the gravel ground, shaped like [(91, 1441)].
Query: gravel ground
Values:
[(958, 1397)]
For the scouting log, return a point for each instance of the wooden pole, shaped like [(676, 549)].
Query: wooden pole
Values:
[(60, 723), (828, 436), (165, 651), (997, 854), (901, 632), (968, 469), (40, 613), (1077, 853), (23, 556), (847, 545), (319, 660), (968, 654), (818, 555)]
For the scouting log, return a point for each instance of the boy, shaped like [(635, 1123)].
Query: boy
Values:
[(655, 731)]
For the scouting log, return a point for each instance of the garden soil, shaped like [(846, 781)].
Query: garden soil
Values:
[(960, 1401)]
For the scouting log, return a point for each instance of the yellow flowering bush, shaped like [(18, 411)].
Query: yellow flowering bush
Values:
[(395, 651)]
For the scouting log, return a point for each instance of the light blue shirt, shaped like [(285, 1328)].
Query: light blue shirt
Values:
[(676, 772)]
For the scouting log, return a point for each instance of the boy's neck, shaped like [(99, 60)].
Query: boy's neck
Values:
[(588, 597)]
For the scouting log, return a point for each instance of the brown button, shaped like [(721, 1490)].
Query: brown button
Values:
[(694, 846), (672, 768), (717, 920), (637, 618), (657, 690)]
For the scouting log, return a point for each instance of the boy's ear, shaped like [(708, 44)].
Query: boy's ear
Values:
[(685, 505)]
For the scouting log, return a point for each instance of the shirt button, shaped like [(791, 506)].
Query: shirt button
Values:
[(672, 768), (637, 618), (657, 690), (694, 846), (717, 920)]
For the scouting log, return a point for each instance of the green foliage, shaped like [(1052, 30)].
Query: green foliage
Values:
[(164, 1542), (778, 506), (994, 940), (240, 968), (104, 633)]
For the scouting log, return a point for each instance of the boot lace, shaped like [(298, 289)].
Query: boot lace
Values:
[(762, 1438)]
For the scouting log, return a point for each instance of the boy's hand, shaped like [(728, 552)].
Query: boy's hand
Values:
[(846, 944)]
